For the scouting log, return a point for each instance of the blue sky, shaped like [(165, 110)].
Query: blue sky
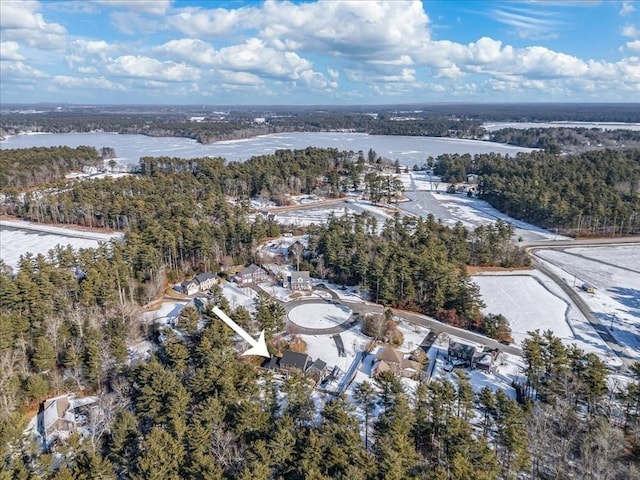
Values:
[(329, 52)]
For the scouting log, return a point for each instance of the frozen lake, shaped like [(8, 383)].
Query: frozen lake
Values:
[(129, 148)]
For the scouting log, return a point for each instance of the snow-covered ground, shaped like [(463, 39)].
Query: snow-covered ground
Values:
[(509, 368), (472, 212), (239, 296), (614, 271), (493, 126), (166, 313), (526, 302), (18, 238), (320, 216)]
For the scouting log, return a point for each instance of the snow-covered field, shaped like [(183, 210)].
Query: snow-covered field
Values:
[(18, 238), (526, 302), (614, 272)]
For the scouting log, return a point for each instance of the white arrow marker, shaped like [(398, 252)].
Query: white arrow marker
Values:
[(258, 347)]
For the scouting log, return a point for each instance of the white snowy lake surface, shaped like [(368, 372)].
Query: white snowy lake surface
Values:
[(129, 148)]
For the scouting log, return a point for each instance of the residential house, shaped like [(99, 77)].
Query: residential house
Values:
[(297, 362), (200, 283), (205, 280), (391, 360), (317, 370), (294, 361), (57, 418), (484, 362), (252, 274), (461, 351), (300, 281), (190, 287)]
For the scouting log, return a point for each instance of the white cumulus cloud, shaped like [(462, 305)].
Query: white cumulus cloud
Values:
[(189, 50), (9, 51), (66, 81), (20, 21), (634, 45), (139, 66), (627, 8)]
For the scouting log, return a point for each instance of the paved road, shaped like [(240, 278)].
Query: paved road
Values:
[(600, 329), (436, 326), (583, 242)]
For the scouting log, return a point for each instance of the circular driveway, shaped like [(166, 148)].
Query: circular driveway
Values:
[(319, 315)]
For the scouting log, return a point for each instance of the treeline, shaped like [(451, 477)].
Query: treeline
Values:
[(592, 193), (383, 123), (24, 168), (555, 140), (417, 265), (207, 131), (240, 125)]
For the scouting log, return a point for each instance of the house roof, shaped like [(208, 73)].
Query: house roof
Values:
[(304, 275), (461, 350), (389, 355), (186, 283), (411, 365), (202, 277), (318, 365), (272, 363), (379, 367), (54, 409), (295, 359), (251, 269)]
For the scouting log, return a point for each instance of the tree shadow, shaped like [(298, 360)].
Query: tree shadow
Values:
[(629, 297)]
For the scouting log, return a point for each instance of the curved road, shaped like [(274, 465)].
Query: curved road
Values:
[(575, 297), (362, 308)]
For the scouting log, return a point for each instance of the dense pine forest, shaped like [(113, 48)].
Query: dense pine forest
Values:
[(196, 410), (592, 193), (29, 167)]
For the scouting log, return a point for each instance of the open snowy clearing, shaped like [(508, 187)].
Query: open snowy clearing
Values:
[(530, 300), (616, 298), (239, 296), (526, 303), (17, 238), (320, 216), (471, 212), (319, 315)]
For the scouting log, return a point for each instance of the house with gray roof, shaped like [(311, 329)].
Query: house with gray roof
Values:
[(300, 281)]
